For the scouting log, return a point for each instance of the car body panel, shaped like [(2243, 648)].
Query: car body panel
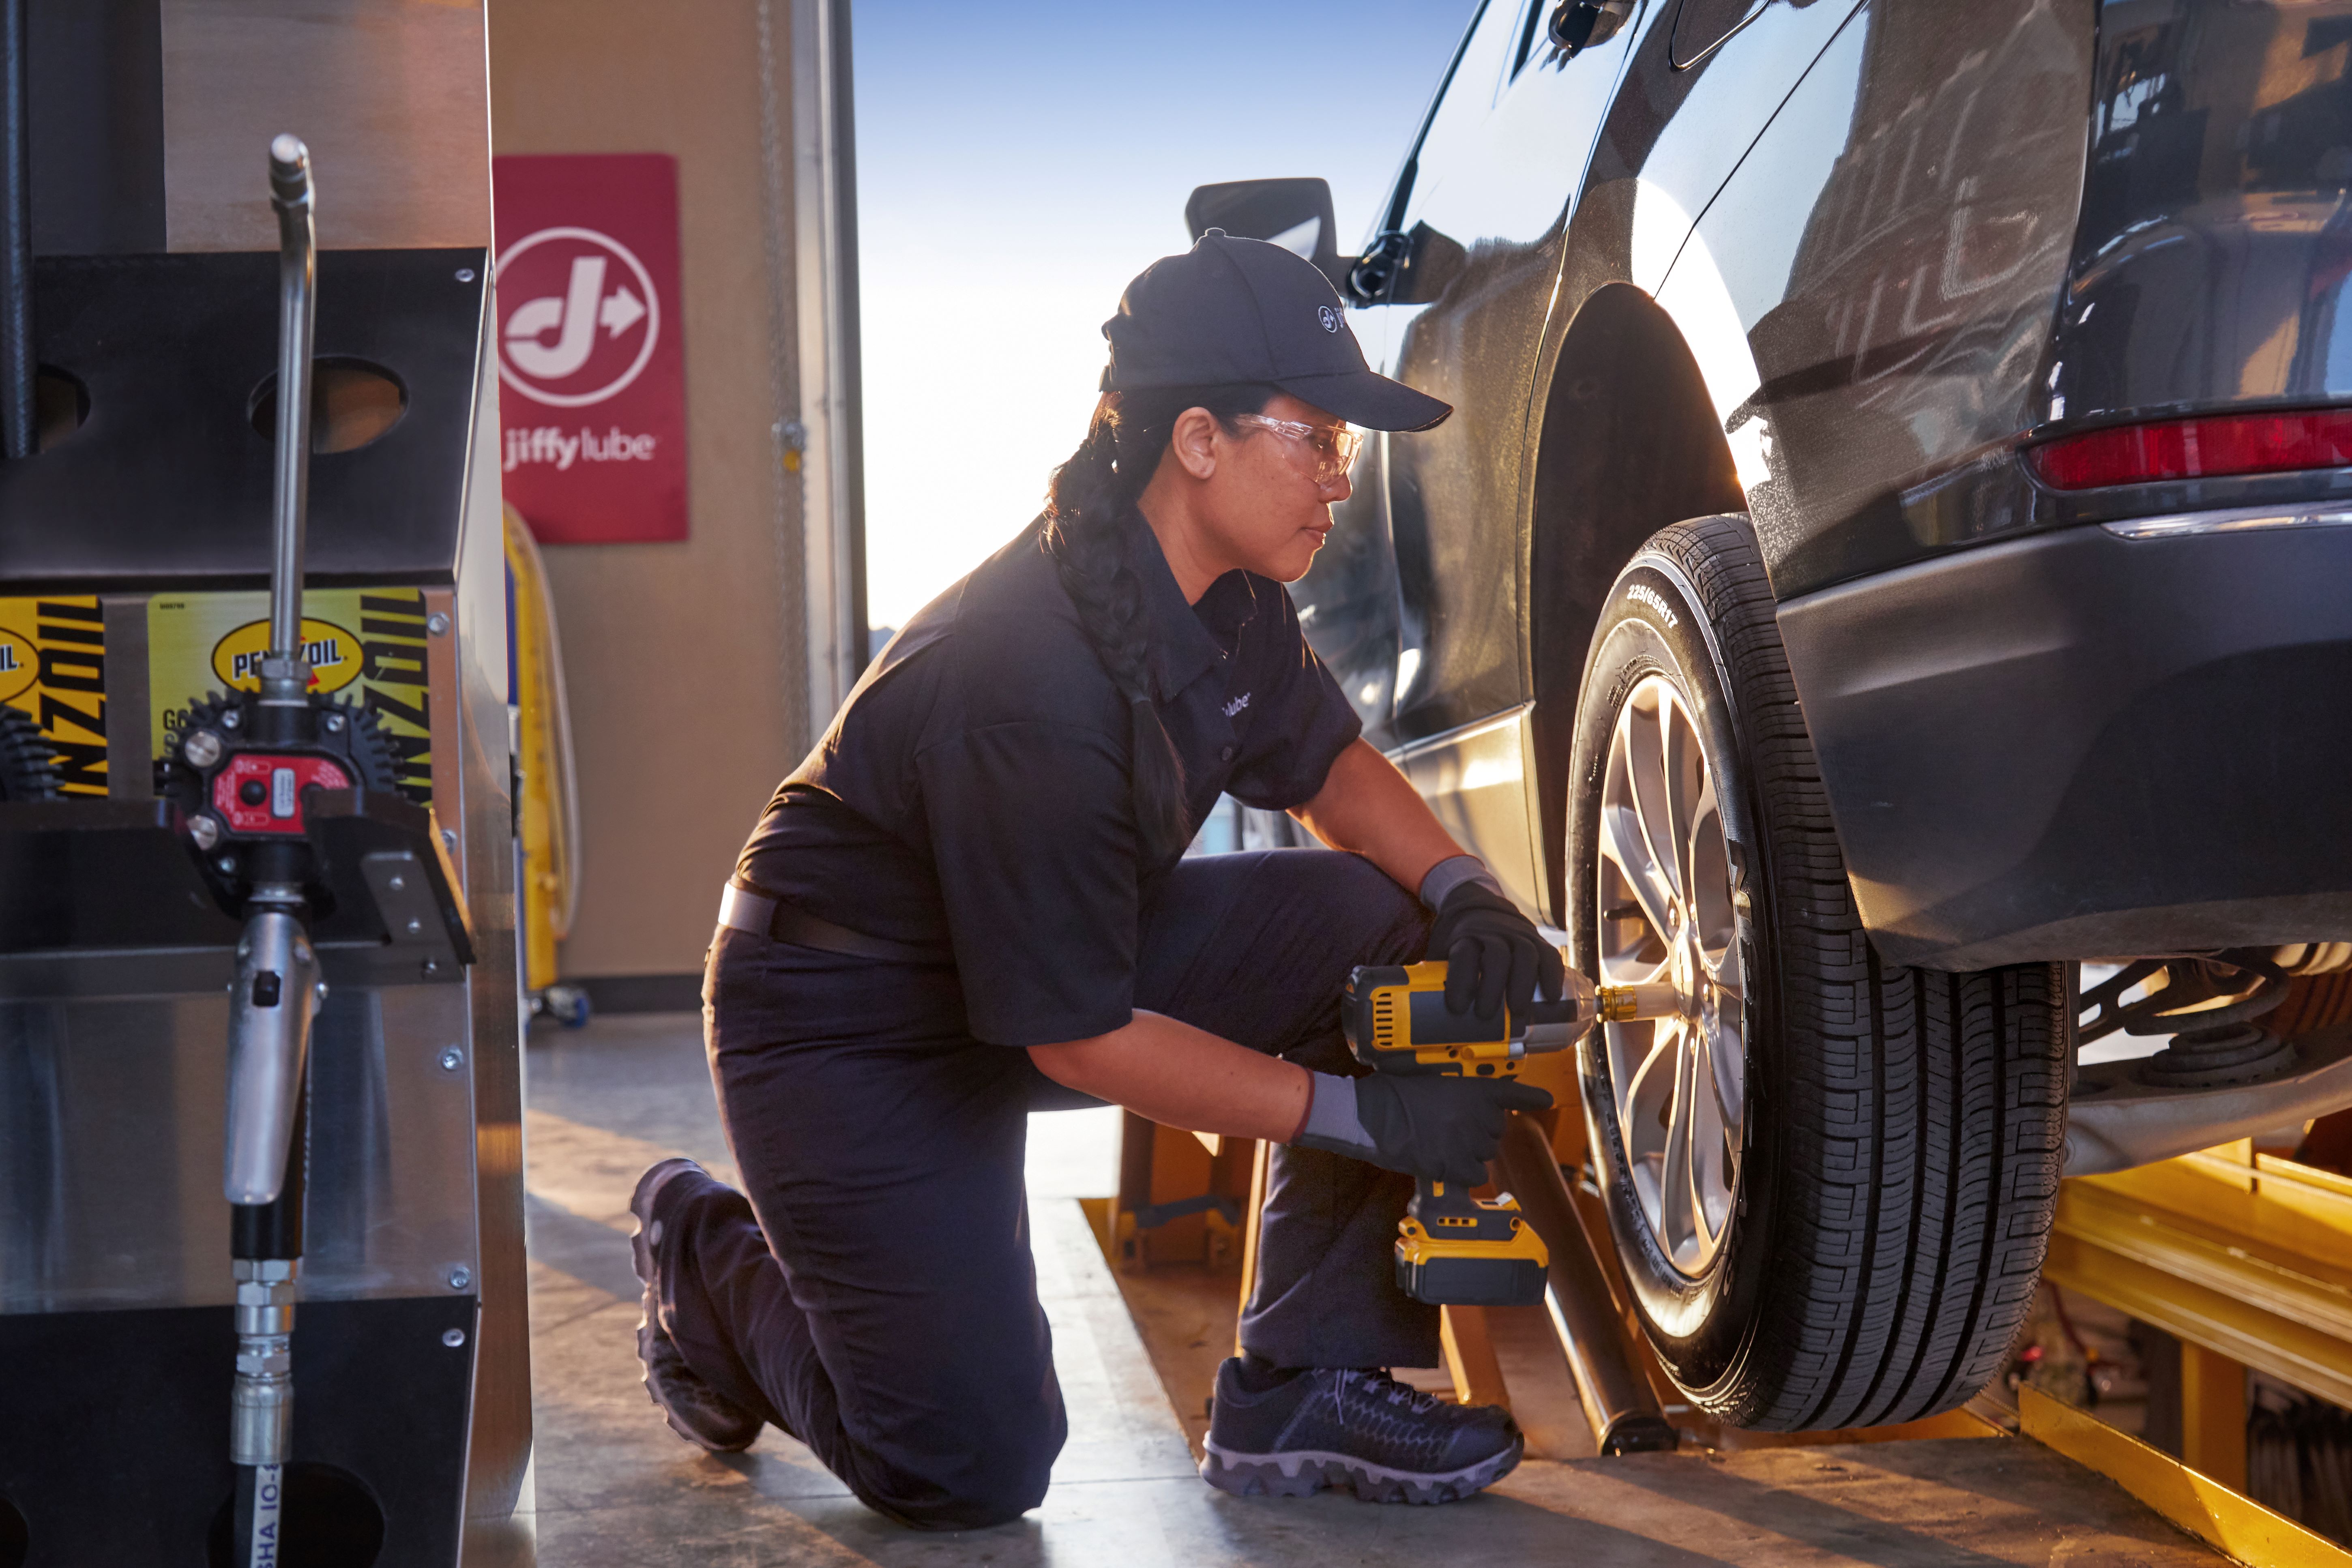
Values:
[(1476, 779), (1838, 269), (2076, 745)]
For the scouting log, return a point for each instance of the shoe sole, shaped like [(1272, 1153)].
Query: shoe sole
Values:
[(1306, 1471)]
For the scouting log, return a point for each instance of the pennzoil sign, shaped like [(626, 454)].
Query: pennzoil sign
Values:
[(53, 670), (334, 653), (20, 665), (367, 645)]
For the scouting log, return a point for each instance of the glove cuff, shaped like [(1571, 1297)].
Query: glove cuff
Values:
[(1332, 1124), (1450, 873)]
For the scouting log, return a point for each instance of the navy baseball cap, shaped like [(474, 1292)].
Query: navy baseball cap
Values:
[(1243, 311)]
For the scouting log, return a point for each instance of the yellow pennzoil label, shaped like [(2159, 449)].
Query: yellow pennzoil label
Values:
[(53, 668), (368, 645), (20, 665), (334, 652)]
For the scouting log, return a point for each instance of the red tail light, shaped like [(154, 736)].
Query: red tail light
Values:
[(2198, 449)]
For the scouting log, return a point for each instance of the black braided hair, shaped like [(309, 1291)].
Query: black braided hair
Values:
[(1090, 511)]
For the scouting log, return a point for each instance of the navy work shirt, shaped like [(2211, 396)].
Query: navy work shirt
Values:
[(973, 793)]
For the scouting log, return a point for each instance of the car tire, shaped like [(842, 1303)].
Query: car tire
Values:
[(1860, 1242)]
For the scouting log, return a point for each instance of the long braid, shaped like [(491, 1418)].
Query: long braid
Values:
[(1090, 511)]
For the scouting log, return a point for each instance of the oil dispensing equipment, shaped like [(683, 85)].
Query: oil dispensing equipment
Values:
[(258, 1050)]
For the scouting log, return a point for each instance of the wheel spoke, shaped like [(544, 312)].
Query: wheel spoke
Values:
[(1622, 847), (1727, 1072), (1676, 1231), (1706, 856), (1710, 1164), (1647, 763), (1626, 842), (1684, 772), (1648, 1085)]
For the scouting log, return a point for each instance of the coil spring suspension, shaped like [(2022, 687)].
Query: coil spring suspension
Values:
[(2221, 1045)]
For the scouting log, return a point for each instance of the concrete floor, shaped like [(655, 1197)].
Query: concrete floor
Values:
[(613, 1487)]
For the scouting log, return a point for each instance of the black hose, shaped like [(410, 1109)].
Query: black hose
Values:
[(18, 433)]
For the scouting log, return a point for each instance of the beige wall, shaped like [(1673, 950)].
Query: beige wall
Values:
[(685, 670)]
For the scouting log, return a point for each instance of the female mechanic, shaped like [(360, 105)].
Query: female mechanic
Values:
[(970, 901)]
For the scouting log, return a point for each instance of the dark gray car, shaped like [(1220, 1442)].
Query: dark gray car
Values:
[(1889, 575)]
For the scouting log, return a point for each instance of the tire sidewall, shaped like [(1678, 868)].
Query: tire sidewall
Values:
[(1654, 623)]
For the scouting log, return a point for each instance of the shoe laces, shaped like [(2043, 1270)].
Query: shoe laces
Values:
[(1378, 1384)]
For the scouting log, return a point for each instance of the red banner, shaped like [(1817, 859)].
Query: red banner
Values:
[(592, 381)]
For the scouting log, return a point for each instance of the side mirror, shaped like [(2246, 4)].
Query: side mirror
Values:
[(1293, 214), (1580, 23), (1412, 266)]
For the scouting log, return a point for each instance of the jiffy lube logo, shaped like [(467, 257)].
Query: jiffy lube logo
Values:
[(580, 317), (591, 404), (335, 655)]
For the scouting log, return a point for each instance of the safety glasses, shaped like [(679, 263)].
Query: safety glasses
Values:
[(1332, 446)]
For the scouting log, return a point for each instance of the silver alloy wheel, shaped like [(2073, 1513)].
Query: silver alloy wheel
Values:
[(1665, 913)]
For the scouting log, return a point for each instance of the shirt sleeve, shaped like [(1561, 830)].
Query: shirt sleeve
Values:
[(1033, 839), (1300, 723)]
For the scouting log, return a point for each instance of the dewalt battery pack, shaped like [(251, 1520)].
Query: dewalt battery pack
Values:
[(1454, 1249)]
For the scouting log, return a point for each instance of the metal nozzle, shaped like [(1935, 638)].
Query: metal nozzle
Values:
[(290, 195), (277, 992)]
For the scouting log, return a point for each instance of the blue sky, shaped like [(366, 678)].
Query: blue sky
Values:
[(1018, 162)]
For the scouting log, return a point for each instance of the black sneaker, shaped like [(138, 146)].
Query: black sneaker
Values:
[(1333, 1427), (695, 1411)]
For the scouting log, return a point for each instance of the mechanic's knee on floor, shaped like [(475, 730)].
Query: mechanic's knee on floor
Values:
[(997, 1471)]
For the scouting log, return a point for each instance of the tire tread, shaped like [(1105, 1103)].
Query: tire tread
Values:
[(1929, 1110)]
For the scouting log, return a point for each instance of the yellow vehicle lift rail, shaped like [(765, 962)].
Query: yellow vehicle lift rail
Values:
[(2244, 1257)]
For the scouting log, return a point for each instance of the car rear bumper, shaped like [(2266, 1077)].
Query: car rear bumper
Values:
[(2088, 744)]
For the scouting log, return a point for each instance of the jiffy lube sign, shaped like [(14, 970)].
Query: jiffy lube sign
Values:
[(592, 390)]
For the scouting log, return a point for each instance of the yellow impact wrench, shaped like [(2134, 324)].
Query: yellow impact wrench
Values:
[(1451, 1248)]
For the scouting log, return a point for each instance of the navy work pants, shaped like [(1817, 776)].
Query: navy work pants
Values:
[(872, 1292)]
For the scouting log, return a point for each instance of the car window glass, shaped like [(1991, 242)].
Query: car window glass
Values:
[(1469, 99), (1700, 24), (1531, 32), (1515, 182)]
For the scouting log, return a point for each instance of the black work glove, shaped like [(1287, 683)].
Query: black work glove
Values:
[(1493, 953), (1440, 1129)]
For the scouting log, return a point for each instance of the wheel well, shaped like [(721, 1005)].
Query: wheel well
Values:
[(1629, 443)]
